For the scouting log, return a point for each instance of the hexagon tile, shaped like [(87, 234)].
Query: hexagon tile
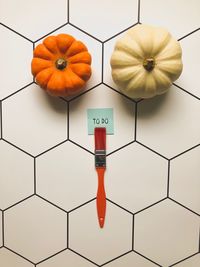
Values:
[(168, 12), (133, 186), (102, 97), (33, 19), (34, 121), (60, 182), (96, 244), (168, 123), (166, 233), (184, 179), (111, 19), (66, 259), (15, 65), (8, 259), (40, 229), (17, 180)]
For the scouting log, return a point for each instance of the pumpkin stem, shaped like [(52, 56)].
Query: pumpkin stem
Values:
[(149, 64), (61, 63)]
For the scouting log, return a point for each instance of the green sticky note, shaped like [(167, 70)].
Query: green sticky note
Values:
[(100, 117)]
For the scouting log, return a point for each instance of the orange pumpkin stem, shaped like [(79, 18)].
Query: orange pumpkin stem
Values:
[(61, 63)]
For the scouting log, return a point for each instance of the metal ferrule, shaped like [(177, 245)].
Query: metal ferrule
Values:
[(100, 158)]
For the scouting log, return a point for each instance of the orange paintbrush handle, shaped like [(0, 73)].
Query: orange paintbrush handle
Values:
[(101, 196)]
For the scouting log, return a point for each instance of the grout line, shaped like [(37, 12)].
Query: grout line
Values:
[(75, 252), (67, 229), (19, 255), (168, 178), (57, 253), (34, 173), (118, 257), (33, 55), (17, 147), (68, 4), (82, 205), (133, 232), (178, 203), (16, 32), (188, 34), (147, 258), (3, 229), (151, 150), (1, 118), (184, 90), (116, 150), (184, 259), (189, 149), (68, 120), (71, 141), (199, 240), (114, 203), (159, 201), (39, 39), (115, 90), (51, 148), (24, 87), (136, 117), (85, 32), (84, 92), (51, 203), (102, 63), (139, 5), (120, 32), (19, 202)]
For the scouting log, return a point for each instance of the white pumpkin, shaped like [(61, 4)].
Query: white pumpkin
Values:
[(145, 61)]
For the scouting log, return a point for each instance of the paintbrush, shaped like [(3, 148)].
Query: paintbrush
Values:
[(100, 165)]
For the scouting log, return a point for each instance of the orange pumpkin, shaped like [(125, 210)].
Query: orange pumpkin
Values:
[(61, 65)]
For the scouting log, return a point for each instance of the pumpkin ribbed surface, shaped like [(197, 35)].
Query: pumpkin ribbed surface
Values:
[(61, 65)]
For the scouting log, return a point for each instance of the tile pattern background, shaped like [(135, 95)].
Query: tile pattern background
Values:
[(47, 177)]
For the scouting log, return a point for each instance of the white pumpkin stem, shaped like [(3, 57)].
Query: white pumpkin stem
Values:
[(149, 64)]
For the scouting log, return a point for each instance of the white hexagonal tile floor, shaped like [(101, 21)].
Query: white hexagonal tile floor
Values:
[(14, 65), (133, 186), (102, 97), (95, 49), (40, 229), (100, 245), (179, 18), (9, 259), (168, 123), (35, 19), (56, 172), (166, 233), (189, 79), (48, 181), (17, 181), (27, 124), (66, 259), (184, 179), (106, 14), (191, 262)]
